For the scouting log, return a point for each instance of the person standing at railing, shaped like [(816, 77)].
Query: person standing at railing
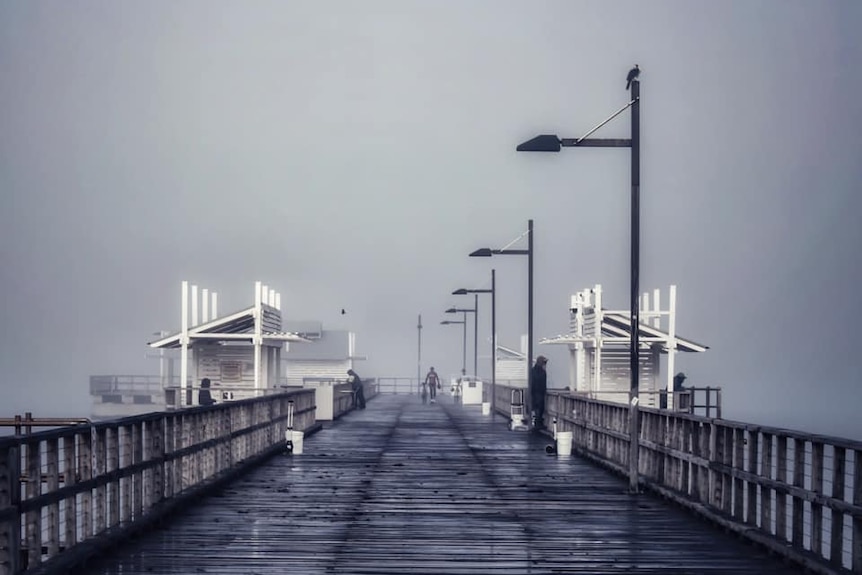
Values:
[(204, 395), (538, 388), (358, 391), (432, 382)]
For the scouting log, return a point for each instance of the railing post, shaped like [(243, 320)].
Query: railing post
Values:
[(10, 498), (856, 557), (838, 485)]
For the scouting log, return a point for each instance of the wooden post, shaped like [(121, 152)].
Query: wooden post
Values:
[(780, 497), (738, 464), (126, 482), (10, 496), (52, 484), (753, 451), (816, 508), (838, 484), (113, 462), (100, 464), (33, 519), (856, 557), (137, 457), (798, 481), (766, 492), (70, 507)]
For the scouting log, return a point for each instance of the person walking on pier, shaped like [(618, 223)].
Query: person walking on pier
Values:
[(356, 387), (432, 382), (538, 387)]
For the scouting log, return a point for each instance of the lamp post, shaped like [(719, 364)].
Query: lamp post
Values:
[(488, 252), (551, 143), (419, 356), (463, 341), (491, 291), (475, 312)]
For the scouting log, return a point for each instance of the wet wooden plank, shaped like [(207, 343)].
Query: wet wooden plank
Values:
[(403, 487)]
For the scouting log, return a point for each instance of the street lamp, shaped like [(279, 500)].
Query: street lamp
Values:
[(488, 252), (475, 312), (491, 291), (463, 342), (551, 143)]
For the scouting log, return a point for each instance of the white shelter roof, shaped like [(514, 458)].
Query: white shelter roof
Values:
[(238, 326), (617, 328)]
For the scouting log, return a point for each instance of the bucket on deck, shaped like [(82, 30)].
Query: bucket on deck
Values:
[(564, 443), (294, 441), (486, 408)]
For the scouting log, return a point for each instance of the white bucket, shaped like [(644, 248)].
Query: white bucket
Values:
[(486, 408), (296, 437), (564, 443)]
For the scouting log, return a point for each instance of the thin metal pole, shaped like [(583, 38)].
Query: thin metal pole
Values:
[(634, 410), (475, 335), (530, 311), (419, 360), (493, 340), (464, 346)]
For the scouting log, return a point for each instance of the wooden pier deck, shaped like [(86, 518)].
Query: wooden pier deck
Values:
[(403, 487)]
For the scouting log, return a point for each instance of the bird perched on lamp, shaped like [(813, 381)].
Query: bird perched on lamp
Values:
[(633, 73)]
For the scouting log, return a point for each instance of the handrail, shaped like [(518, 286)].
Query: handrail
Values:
[(65, 492), (787, 490)]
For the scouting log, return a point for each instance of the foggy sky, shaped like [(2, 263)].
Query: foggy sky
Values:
[(351, 155)]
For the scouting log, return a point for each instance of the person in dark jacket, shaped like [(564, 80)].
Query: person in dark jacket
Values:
[(204, 395), (538, 387), (356, 387)]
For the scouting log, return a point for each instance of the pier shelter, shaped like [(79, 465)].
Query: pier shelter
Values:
[(320, 364), (239, 353), (512, 366), (599, 345)]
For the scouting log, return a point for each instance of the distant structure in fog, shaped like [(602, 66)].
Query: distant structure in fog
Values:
[(239, 353), (599, 343)]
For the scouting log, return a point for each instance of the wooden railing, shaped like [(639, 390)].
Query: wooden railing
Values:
[(397, 385), (67, 493), (798, 494)]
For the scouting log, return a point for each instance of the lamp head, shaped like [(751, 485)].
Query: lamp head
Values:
[(451, 310), (482, 253), (543, 143), (460, 291)]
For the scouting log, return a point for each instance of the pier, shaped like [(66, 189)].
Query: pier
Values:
[(404, 487)]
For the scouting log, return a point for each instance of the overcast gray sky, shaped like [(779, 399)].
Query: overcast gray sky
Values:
[(351, 155)]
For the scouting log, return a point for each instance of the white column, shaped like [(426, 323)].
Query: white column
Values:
[(194, 305), (259, 290), (598, 330), (278, 301), (184, 342), (656, 304), (205, 305), (671, 345), (214, 297)]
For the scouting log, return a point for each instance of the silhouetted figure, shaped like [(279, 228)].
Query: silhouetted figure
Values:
[(204, 395), (538, 388), (356, 387), (432, 382), (633, 73)]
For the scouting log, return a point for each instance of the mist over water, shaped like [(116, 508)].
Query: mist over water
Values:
[(351, 155)]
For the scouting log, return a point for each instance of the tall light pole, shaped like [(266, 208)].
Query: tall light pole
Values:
[(463, 341), (419, 356), (551, 143), (475, 312), (491, 291), (488, 252)]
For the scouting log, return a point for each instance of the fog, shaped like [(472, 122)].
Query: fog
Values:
[(351, 155)]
